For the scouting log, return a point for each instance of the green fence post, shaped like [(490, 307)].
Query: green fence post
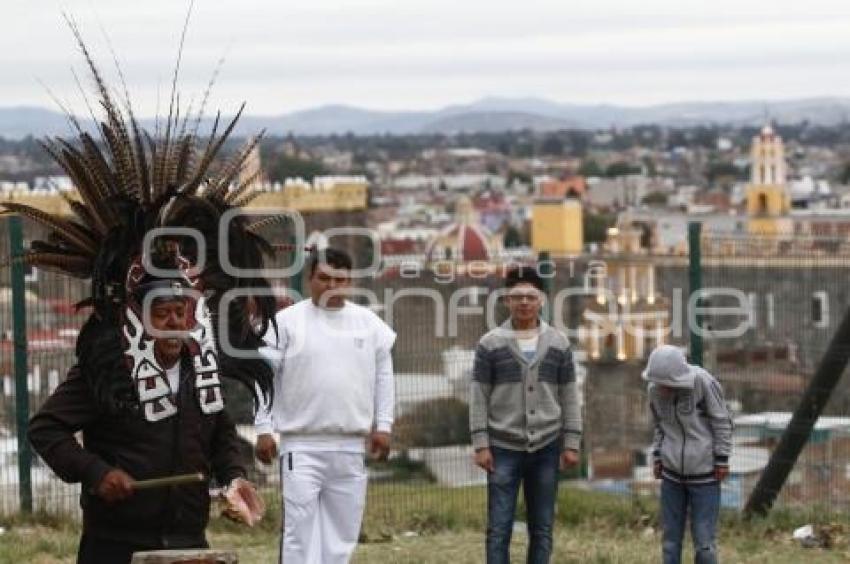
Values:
[(695, 278), (296, 283), (546, 269), (19, 329)]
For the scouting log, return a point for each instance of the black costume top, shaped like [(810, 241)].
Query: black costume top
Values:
[(191, 441)]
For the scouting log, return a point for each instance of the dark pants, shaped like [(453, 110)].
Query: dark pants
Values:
[(538, 473), (98, 550), (704, 503)]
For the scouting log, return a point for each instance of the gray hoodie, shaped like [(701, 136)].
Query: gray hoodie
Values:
[(693, 430)]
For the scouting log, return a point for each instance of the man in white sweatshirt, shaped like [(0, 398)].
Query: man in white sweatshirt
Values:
[(333, 398)]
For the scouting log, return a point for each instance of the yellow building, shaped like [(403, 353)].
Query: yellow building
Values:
[(326, 193), (48, 202), (557, 227), (768, 197)]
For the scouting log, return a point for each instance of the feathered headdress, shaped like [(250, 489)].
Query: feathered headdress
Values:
[(128, 184)]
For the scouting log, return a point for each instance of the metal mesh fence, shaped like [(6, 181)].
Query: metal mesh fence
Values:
[(788, 297), (432, 456), (771, 306), (52, 326), (793, 295)]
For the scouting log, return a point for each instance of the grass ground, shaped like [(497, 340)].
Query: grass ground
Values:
[(429, 526)]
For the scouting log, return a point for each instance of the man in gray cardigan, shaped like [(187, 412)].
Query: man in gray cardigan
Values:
[(524, 417)]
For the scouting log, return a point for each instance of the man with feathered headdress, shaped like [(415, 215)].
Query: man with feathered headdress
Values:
[(146, 388)]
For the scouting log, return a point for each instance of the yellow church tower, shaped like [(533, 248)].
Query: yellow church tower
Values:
[(768, 199)]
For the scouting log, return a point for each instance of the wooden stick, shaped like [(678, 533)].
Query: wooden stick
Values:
[(195, 478)]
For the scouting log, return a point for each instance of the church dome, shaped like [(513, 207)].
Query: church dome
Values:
[(463, 241)]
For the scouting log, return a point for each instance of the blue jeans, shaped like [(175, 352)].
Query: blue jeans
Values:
[(538, 473), (704, 502)]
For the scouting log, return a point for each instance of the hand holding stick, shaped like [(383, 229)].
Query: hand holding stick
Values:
[(117, 485)]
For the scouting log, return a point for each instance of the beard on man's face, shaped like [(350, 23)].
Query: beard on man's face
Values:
[(169, 348)]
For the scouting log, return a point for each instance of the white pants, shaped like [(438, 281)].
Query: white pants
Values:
[(324, 494)]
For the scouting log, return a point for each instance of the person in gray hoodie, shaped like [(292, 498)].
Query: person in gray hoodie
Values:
[(691, 448)]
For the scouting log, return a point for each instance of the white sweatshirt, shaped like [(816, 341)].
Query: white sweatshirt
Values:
[(333, 377)]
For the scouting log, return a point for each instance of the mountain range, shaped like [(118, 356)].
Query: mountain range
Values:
[(485, 115)]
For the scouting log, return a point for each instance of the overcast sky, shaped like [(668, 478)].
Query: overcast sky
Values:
[(283, 55)]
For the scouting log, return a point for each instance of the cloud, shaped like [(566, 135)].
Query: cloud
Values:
[(424, 54)]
